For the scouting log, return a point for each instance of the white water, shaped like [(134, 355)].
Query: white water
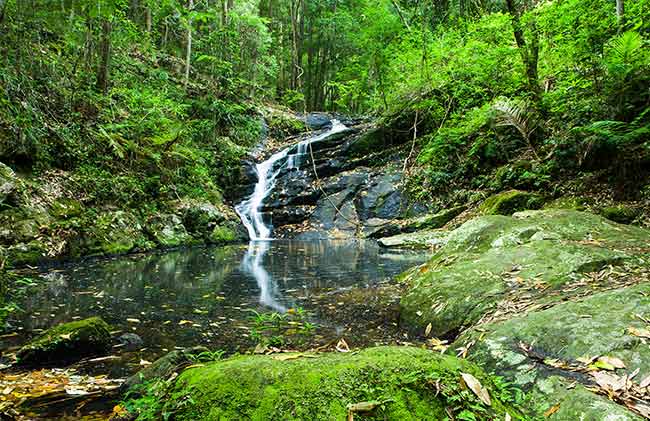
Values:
[(249, 209)]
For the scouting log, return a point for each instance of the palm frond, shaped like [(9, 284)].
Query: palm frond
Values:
[(518, 114)]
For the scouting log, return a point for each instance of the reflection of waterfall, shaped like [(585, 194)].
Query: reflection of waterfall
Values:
[(267, 172), (252, 263)]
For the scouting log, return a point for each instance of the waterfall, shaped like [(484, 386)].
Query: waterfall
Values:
[(267, 172)]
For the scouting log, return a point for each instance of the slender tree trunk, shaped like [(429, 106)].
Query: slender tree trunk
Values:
[(529, 54), (103, 71), (148, 19), (188, 55), (620, 12)]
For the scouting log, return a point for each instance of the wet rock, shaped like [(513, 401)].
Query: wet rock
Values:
[(289, 215), (509, 202), (550, 248), (286, 386), (381, 228), (33, 252), (164, 367), (382, 199), (130, 341), (168, 230), (67, 342), (318, 121), (201, 217), (17, 227)]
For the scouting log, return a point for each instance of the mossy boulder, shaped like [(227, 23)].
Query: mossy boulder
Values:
[(530, 350), (17, 226), (620, 213), (405, 383), (223, 234), (67, 342), (569, 203), (168, 230), (32, 252), (492, 257), (509, 202), (113, 232), (425, 239)]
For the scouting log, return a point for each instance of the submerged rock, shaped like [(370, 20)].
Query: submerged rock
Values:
[(396, 383), (67, 342)]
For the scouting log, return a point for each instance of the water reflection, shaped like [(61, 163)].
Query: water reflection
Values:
[(253, 264), (204, 295)]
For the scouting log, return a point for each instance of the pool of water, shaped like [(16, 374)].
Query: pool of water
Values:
[(207, 296)]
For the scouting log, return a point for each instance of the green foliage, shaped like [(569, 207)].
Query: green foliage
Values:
[(277, 329)]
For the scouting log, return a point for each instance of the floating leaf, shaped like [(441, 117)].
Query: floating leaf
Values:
[(133, 320), (476, 387), (185, 322)]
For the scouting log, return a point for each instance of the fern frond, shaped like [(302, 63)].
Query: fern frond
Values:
[(518, 114)]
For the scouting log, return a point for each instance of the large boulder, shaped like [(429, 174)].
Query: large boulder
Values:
[(548, 352), (538, 298), (67, 342), (396, 383), (489, 258), (113, 232)]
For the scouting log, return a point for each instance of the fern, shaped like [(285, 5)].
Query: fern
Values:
[(518, 114)]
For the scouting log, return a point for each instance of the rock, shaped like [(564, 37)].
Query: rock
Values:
[(568, 202), (223, 234), (426, 239), (593, 326), (201, 217), (163, 368), (67, 342), (396, 383), (382, 228), (114, 232), (509, 202), (65, 208), (490, 258), (33, 252), (130, 341), (168, 230), (17, 227), (377, 228), (620, 213), (8, 183), (318, 121), (382, 198)]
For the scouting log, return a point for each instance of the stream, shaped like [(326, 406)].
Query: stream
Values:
[(221, 297)]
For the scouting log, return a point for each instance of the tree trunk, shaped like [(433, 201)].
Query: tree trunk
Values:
[(188, 55), (103, 72), (529, 54), (3, 6), (148, 19), (620, 12)]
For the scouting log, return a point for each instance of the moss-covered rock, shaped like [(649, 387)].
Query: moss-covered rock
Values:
[(32, 252), (222, 234), (598, 325), (65, 208), (620, 213), (168, 230), (569, 203), (491, 257), (425, 239), (67, 342), (509, 202), (406, 383), (114, 232)]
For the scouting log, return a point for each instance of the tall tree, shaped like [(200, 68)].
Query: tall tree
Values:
[(529, 50), (188, 50), (103, 70)]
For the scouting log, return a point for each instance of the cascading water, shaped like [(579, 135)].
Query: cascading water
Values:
[(267, 172), (249, 212)]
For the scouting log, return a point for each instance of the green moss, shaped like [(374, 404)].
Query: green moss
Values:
[(222, 234), (65, 208), (66, 342), (509, 202), (410, 384), (168, 230), (480, 261), (569, 203), (593, 326), (620, 213), (33, 252)]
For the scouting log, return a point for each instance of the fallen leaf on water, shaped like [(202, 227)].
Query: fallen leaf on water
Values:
[(144, 363), (552, 410), (185, 322), (476, 387), (133, 320), (342, 346)]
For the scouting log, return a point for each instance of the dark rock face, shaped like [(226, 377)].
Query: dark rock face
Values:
[(341, 198)]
